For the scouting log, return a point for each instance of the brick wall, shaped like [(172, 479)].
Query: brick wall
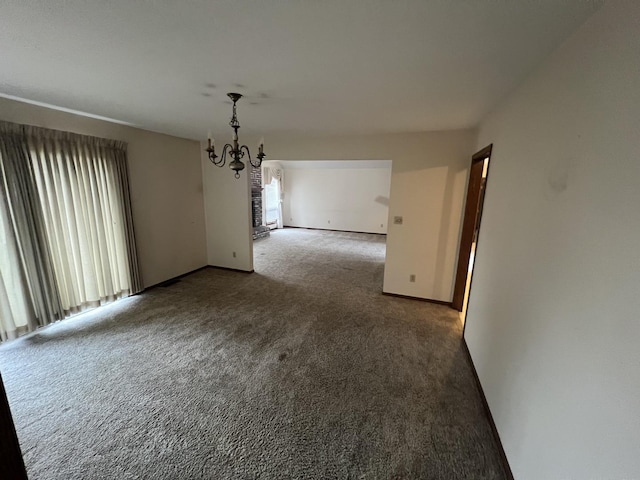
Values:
[(256, 196)]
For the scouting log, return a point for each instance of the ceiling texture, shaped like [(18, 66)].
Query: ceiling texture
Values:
[(305, 66)]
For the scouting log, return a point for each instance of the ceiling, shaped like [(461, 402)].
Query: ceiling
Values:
[(330, 164), (350, 66)]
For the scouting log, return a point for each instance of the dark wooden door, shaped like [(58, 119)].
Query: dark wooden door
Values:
[(470, 224), (11, 463)]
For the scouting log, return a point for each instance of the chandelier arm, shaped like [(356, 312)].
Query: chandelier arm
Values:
[(212, 156), (223, 157), (246, 149), (259, 159)]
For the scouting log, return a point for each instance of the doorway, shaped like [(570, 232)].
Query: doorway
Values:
[(470, 229), (272, 211)]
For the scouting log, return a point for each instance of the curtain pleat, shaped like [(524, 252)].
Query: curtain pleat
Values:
[(75, 195)]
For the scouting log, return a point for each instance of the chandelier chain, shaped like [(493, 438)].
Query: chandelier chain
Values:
[(234, 123)]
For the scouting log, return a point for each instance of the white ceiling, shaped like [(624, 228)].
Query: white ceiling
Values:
[(353, 66)]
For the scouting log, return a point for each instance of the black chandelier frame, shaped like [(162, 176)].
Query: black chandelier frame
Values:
[(235, 151)]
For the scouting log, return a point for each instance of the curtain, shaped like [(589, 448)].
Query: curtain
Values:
[(77, 220), (271, 172), (15, 309), (79, 181), (28, 292)]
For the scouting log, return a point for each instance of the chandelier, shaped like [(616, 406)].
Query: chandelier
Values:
[(235, 151)]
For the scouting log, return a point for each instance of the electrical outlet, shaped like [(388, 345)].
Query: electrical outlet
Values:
[(412, 278), (397, 220), (234, 254)]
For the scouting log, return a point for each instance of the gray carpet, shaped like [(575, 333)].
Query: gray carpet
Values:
[(300, 370)]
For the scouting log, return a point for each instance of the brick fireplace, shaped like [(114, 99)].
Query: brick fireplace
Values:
[(259, 230)]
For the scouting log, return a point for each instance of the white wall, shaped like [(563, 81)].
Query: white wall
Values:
[(553, 322), (337, 195), (165, 183), (228, 216), (428, 181)]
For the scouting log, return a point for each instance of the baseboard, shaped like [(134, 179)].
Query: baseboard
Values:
[(170, 281), (230, 269), (333, 230), (487, 410), (428, 300), (173, 280)]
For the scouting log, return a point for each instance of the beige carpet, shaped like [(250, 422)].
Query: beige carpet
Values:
[(300, 370)]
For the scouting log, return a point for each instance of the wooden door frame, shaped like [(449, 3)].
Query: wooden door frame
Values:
[(471, 220)]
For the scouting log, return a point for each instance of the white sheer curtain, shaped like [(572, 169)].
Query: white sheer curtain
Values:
[(271, 172), (78, 188), (66, 228)]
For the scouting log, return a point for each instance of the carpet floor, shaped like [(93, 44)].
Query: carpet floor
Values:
[(302, 369)]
